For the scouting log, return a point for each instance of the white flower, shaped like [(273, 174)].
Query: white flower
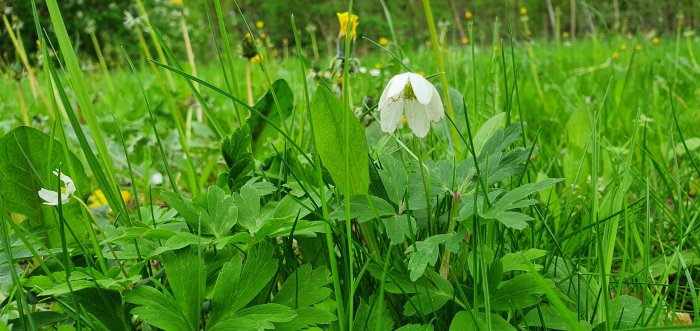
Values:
[(51, 197), (156, 179), (375, 72), (363, 70), (413, 95)]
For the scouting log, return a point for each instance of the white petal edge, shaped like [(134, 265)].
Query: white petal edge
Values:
[(417, 118), (67, 181), (421, 88), (395, 86), (390, 112), (51, 197), (435, 110)]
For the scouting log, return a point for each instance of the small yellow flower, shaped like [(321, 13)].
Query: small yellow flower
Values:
[(343, 20), (98, 198), (623, 47), (377, 66), (383, 41), (523, 11), (259, 24), (655, 40), (565, 34), (248, 37), (638, 48), (615, 55), (256, 59), (468, 15), (177, 3), (263, 36), (38, 43), (464, 41)]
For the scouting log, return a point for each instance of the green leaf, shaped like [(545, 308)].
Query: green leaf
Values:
[(158, 309), (400, 227), (186, 274), (238, 284), (306, 317), (486, 130), (476, 320), (25, 153), (361, 209), (216, 211), (551, 318), (516, 199), (394, 177), (514, 261), (238, 156), (104, 305), (261, 131), (330, 118), (519, 292), (368, 313), (304, 287), (416, 327), (426, 252), (260, 317)]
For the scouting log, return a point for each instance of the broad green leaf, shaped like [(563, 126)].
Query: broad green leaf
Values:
[(514, 261), (368, 314), (361, 209), (399, 228), (248, 202), (260, 317), (416, 327), (216, 211), (426, 252), (476, 320), (158, 309), (394, 177), (486, 130), (304, 287), (516, 199), (186, 274), (306, 317), (238, 157), (330, 118), (263, 133), (25, 153), (105, 306), (519, 292), (552, 319), (227, 283)]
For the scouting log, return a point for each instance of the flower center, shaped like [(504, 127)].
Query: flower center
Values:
[(408, 92)]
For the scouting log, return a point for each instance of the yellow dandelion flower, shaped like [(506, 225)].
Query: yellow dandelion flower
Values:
[(343, 19), (523, 11), (615, 55), (98, 198), (468, 15), (464, 41), (655, 40), (259, 24), (383, 41), (623, 47), (248, 37)]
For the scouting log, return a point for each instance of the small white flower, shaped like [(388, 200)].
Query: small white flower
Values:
[(156, 179), (413, 95), (375, 72), (363, 70), (51, 197)]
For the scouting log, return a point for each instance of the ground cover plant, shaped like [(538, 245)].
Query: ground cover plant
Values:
[(214, 168)]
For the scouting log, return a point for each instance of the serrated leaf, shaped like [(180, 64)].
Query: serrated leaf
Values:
[(306, 317), (330, 119), (399, 228), (304, 287), (519, 292), (186, 274), (260, 317), (514, 261), (157, 308), (426, 252), (361, 209), (476, 320)]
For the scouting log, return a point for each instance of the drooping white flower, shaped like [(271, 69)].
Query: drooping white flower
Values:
[(156, 179), (51, 197), (414, 96)]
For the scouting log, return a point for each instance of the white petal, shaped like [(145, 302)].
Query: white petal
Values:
[(395, 86), (421, 88), (50, 197), (417, 118), (390, 111), (67, 181), (434, 109)]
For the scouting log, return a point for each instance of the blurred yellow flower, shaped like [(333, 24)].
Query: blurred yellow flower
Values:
[(638, 48), (343, 20), (623, 47), (565, 34), (177, 3), (248, 37), (383, 41), (259, 24), (464, 41), (98, 198), (655, 40), (523, 11), (615, 55), (256, 59), (263, 36), (378, 65), (468, 15)]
